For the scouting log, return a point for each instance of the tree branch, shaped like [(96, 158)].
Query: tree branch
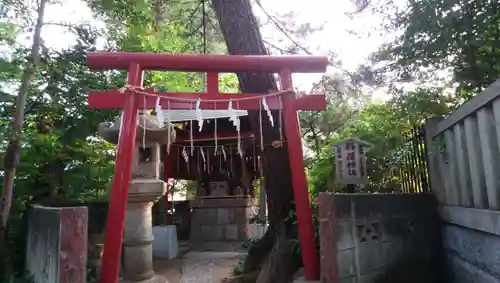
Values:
[(281, 50), (280, 28)]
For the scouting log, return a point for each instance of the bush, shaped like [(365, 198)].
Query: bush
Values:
[(238, 268), (246, 244)]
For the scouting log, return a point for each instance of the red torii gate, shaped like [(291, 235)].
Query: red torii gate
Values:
[(131, 100)]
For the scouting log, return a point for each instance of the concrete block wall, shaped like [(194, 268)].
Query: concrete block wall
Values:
[(378, 238), (463, 162), (471, 238)]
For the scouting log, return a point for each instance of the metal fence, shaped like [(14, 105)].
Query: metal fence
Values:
[(412, 171)]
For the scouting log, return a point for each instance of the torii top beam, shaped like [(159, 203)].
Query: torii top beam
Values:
[(207, 63), (212, 65)]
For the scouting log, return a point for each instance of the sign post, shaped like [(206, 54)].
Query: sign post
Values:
[(350, 162)]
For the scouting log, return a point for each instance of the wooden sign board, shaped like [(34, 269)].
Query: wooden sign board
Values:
[(350, 161)]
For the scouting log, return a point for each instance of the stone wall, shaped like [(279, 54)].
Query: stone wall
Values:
[(471, 239), (56, 248), (379, 238), (220, 223)]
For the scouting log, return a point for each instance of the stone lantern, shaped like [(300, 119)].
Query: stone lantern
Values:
[(145, 189), (350, 161)]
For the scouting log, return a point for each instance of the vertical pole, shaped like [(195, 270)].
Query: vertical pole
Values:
[(262, 192), (432, 152), (167, 172), (300, 192), (119, 193), (212, 84), (418, 140), (414, 162)]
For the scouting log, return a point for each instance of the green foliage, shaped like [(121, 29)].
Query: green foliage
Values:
[(61, 158), (258, 219), (294, 232), (238, 268), (246, 244), (382, 125), (439, 37)]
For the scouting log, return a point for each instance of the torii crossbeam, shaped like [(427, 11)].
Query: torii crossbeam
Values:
[(135, 98)]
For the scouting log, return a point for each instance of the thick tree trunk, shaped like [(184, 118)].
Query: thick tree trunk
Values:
[(12, 153), (273, 254)]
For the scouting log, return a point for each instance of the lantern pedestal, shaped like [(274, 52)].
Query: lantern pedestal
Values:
[(137, 254)]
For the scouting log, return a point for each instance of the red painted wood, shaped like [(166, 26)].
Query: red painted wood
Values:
[(119, 193), (328, 242), (213, 82), (114, 99), (207, 63), (73, 245), (299, 180)]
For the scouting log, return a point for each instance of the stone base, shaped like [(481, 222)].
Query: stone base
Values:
[(165, 244), (154, 279), (220, 219)]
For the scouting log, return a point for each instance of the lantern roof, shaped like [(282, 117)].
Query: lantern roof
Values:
[(354, 139)]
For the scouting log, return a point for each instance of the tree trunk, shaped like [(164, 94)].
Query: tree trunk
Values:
[(317, 147), (12, 153), (273, 254)]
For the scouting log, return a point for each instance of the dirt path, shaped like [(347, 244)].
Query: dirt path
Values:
[(199, 267)]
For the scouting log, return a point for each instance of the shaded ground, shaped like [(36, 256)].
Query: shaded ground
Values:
[(199, 267)]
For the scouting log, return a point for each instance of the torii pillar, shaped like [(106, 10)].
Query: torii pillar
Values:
[(133, 99)]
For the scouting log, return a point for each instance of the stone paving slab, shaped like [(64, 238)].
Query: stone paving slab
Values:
[(200, 267)]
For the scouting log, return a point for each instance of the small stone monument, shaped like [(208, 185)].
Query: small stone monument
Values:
[(145, 189), (219, 189), (350, 161)]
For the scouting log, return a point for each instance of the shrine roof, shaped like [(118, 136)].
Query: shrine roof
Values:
[(176, 115)]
